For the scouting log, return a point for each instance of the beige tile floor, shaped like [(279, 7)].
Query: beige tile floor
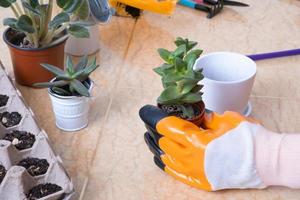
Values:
[(109, 160)]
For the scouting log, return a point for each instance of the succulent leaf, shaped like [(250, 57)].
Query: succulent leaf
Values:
[(30, 8), (55, 70), (78, 31), (6, 3), (59, 20), (51, 84), (165, 54), (83, 12), (80, 88), (180, 51), (25, 24), (192, 97), (61, 91), (81, 64), (70, 68)]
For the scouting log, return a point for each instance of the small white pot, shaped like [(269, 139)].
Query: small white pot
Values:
[(84, 46), (71, 112), (228, 81)]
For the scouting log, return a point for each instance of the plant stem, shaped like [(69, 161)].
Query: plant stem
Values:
[(19, 8), (15, 11), (51, 34), (57, 41)]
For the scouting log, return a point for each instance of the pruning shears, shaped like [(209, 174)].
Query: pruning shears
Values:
[(212, 7)]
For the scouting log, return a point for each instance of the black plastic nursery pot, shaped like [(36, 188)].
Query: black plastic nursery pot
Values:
[(197, 120), (26, 61)]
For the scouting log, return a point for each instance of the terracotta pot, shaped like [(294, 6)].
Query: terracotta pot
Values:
[(199, 118), (26, 62)]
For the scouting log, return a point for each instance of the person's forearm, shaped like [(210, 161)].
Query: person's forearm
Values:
[(278, 158)]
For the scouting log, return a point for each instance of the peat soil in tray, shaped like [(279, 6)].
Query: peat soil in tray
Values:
[(42, 190), (20, 139), (10, 119), (2, 173), (35, 166), (3, 100)]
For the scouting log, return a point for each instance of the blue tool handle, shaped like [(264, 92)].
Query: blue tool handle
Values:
[(276, 54), (187, 3)]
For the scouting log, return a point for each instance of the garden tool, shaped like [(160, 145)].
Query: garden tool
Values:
[(226, 2), (133, 8), (210, 6), (228, 151), (276, 54), (212, 10)]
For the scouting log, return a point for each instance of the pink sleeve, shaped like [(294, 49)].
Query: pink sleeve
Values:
[(278, 158)]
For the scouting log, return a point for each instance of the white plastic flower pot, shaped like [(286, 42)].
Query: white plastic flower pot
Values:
[(84, 46), (228, 81), (71, 112)]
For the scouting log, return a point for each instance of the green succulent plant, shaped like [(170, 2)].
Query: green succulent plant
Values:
[(73, 81), (179, 80), (34, 19)]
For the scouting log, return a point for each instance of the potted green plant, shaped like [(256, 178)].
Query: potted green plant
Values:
[(181, 95), (36, 36), (70, 93)]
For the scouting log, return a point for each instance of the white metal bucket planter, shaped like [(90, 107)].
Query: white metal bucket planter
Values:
[(71, 112)]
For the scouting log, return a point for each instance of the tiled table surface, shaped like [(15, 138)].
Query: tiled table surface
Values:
[(109, 160)]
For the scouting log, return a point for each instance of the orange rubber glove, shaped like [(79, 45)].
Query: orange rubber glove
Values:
[(231, 152), (221, 156)]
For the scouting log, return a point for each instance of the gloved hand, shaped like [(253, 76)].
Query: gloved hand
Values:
[(231, 152)]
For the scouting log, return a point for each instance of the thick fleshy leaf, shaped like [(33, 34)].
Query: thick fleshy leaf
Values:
[(83, 12), (192, 98), (170, 93), (191, 44), (6, 3), (70, 67), (62, 3), (180, 51), (34, 3), (162, 69), (79, 31), (60, 91), (186, 85), (72, 5), (80, 88), (179, 41), (88, 70), (30, 8), (82, 63), (25, 24), (180, 65), (59, 20), (187, 110), (55, 70), (51, 84), (10, 22), (164, 54), (190, 54)]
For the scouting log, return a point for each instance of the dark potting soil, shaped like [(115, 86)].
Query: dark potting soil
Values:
[(2, 173), (42, 190), (3, 100), (18, 39), (177, 111), (10, 119), (35, 166), (21, 139)]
